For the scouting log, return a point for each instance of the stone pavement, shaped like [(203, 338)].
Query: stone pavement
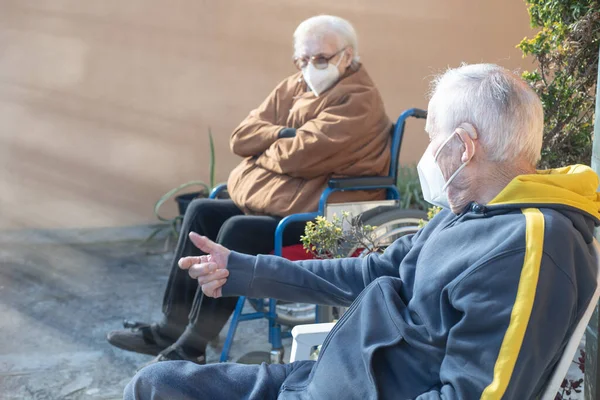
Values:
[(61, 293)]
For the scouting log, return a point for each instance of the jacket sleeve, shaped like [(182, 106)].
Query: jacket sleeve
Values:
[(329, 282), (508, 332), (260, 128), (321, 144)]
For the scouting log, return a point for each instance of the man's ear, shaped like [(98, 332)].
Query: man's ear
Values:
[(468, 135), (469, 128)]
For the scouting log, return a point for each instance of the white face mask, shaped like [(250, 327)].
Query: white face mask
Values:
[(432, 180), (319, 80)]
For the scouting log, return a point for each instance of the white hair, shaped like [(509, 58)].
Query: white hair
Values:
[(323, 25), (506, 112)]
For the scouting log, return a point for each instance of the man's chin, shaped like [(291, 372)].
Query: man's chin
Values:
[(458, 208)]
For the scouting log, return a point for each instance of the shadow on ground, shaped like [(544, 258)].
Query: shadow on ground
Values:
[(58, 301)]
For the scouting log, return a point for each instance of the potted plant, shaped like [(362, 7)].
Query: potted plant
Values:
[(183, 200), (338, 237)]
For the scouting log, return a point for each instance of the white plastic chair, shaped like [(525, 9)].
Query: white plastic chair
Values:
[(306, 337)]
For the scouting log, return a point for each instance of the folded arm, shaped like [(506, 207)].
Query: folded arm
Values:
[(261, 127), (321, 145)]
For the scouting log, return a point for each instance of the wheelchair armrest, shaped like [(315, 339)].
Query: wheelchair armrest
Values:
[(217, 191), (306, 337), (359, 182)]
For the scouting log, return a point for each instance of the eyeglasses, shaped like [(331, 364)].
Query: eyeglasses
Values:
[(320, 61)]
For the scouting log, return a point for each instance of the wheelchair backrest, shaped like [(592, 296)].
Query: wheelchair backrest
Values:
[(397, 135)]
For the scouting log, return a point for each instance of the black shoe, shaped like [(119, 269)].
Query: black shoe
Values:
[(176, 353), (139, 338)]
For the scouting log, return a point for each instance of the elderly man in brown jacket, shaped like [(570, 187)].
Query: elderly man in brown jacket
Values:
[(327, 120)]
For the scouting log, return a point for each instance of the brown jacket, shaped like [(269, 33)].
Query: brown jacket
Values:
[(342, 133)]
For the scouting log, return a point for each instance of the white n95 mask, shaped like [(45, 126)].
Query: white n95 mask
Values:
[(432, 180), (319, 80)]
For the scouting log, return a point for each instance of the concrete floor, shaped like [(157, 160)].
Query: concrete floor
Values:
[(58, 300)]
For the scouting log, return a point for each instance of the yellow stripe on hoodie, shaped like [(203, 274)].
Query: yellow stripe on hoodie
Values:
[(519, 317)]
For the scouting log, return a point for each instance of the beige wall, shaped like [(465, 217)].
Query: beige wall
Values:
[(105, 104)]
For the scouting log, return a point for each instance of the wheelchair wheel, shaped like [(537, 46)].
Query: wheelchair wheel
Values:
[(391, 222)]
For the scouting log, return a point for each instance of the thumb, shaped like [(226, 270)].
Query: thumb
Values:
[(203, 243)]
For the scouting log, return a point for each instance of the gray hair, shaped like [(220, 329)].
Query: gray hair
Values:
[(323, 25), (506, 112)]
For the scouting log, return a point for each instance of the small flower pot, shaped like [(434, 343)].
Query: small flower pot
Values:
[(184, 200)]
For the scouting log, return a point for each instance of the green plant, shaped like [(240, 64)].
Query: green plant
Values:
[(409, 186), (566, 53), (338, 237), (431, 212), (173, 223)]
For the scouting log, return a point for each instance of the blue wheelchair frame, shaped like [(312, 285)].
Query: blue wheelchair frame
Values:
[(334, 185)]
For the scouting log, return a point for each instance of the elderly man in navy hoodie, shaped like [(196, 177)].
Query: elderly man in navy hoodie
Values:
[(478, 304)]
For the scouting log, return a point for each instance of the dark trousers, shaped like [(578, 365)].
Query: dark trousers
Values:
[(223, 222), (183, 380)]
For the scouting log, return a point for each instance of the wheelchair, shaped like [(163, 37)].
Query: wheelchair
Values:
[(390, 220)]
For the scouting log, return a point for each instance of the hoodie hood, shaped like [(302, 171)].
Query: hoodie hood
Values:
[(569, 187)]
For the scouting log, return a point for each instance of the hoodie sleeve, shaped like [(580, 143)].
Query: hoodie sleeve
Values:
[(261, 127), (329, 282), (499, 346)]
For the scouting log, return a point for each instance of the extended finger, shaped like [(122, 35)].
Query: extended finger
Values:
[(203, 243), (187, 262)]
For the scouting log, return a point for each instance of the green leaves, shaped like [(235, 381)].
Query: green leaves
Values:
[(338, 237), (409, 186), (431, 212), (566, 52), (341, 236), (545, 12)]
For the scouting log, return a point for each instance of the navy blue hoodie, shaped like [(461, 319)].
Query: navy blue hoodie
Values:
[(476, 305)]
